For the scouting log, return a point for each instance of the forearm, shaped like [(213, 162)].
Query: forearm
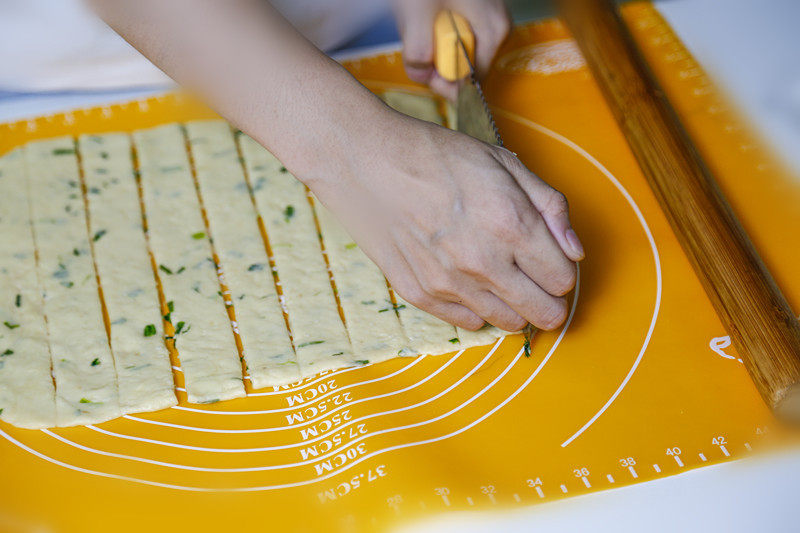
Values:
[(257, 71)]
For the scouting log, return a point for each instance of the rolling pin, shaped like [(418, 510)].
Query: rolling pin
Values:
[(749, 303)]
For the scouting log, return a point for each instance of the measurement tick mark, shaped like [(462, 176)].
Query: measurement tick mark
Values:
[(610, 478), (633, 472), (516, 497), (469, 501), (564, 489), (586, 482), (702, 457), (747, 445), (725, 451), (657, 468), (540, 492), (678, 460)]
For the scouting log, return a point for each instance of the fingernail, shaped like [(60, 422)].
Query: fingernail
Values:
[(574, 243)]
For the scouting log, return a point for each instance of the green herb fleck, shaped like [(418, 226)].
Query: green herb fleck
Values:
[(199, 235), (84, 400), (165, 269), (284, 170), (76, 252), (104, 155), (171, 306), (455, 340), (179, 327), (68, 284), (18, 300), (9, 325), (337, 353), (256, 266), (63, 151), (149, 330), (367, 302), (288, 213), (350, 246), (7, 352), (95, 361), (396, 307), (98, 235), (181, 269), (362, 361), (310, 343)]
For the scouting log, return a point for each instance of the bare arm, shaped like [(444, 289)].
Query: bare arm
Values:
[(460, 228)]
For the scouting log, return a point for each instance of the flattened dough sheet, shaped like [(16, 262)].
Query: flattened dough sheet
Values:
[(206, 347), (233, 221), (27, 395), (123, 264), (83, 366), (320, 340), (374, 327)]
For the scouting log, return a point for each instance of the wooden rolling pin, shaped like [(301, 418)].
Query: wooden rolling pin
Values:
[(745, 296)]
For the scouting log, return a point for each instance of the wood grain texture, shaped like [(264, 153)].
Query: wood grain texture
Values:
[(745, 296)]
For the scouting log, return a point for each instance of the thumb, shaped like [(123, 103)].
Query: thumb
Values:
[(551, 204)]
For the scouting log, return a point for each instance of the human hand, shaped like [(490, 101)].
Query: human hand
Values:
[(490, 23), (460, 228)]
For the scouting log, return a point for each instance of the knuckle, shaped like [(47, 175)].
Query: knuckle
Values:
[(507, 222), (414, 295), (473, 264), (553, 315), (564, 281), (438, 284), (556, 203), (502, 25), (417, 56)]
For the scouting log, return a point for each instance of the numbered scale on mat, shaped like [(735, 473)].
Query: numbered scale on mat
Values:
[(640, 382)]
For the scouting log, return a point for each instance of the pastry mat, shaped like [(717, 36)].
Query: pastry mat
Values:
[(640, 383)]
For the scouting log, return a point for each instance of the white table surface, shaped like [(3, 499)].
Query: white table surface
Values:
[(752, 48)]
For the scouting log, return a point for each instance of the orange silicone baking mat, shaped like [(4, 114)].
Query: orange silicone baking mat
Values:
[(640, 383)]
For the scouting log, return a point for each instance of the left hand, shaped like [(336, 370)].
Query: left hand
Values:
[(490, 23)]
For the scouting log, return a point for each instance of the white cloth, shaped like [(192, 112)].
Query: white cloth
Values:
[(51, 45)]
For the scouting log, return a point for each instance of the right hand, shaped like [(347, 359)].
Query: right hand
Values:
[(460, 228)]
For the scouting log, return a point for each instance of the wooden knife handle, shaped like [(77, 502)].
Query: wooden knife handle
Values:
[(448, 59), (756, 315)]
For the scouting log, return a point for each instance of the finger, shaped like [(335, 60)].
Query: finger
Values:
[(541, 258), (405, 284), (494, 311), (442, 87), (491, 24), (415, 21), (550, 203), (531, 302), (453, 313)]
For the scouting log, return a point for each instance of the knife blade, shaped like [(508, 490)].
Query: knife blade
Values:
[(473, 116)]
